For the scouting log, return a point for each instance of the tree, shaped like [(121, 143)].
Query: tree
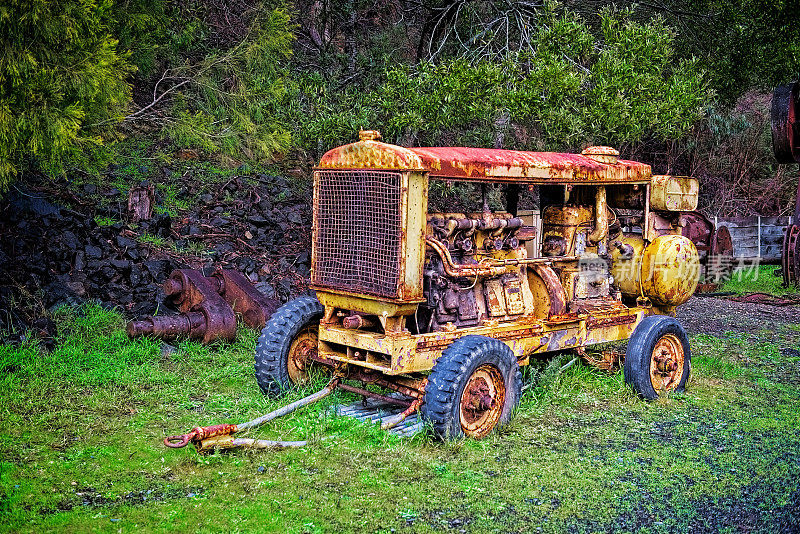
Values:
[(743, 44), (61, 78), (571, 85)]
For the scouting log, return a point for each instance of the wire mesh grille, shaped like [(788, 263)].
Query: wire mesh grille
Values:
[(357, 231)]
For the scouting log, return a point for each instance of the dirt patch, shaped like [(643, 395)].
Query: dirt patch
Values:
[(714, 316)]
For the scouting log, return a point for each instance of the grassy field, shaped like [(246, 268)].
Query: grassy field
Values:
[(756, 279), (81, 431)]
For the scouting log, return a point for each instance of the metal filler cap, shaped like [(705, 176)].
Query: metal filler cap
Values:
[(369, 135), (602, 154)]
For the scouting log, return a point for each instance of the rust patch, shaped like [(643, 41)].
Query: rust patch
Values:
[(599, 322), (485, 164)]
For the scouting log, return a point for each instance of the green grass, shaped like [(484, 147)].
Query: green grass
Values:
[(755, 279), (81, 431), (172, 203), (154, 240), (105, 221)]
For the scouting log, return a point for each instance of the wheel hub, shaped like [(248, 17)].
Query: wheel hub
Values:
[(666, 366), (301, 353), (482, 401), (478, 398)]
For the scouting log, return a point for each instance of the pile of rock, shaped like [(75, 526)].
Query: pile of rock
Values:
[(50, 254)]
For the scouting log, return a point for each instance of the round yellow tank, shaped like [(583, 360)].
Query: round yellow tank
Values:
[(626, 264), (670, 270)]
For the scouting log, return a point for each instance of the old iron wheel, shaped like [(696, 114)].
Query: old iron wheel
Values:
[(474, 387), (790, 259), (285, 344), (657, 360)]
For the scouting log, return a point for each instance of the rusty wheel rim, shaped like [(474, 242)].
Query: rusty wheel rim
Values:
[(302, 347), (666, 363), (482, 401)]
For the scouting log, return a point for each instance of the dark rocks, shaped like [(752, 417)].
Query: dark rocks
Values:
[(294, 217), (125, 242), (93, 252), (80, 262), (222, 248), (157, 269), (32, 203), (121, 265), (263, 231), (70, 240), (257, 220), (136, 276), (161, 225)]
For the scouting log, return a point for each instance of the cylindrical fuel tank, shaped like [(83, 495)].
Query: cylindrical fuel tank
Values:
[(666, 270)]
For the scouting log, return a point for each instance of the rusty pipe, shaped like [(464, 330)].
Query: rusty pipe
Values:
[(355, 322), (462, 270), (230, 442), (393, 421), (373, 395), (190, 324), (530, 261), (454, 225), (280, 412), (601, 219), (488, 266), (202, 433), (381, 380)]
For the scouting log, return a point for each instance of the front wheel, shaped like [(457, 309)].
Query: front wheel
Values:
[(658, 358), (473, 388), (287, 342)]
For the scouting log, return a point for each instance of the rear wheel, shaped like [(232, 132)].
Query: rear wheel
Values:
[(473, 388), (657, 361), (287, 342)]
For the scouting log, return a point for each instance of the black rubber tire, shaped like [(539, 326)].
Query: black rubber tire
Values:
[(638, 356), (451, 373), (272, 350)]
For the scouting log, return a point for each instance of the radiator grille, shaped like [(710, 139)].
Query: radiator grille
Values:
[(357, 231)]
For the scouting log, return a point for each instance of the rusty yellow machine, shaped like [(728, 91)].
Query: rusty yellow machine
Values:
[(445, 307)]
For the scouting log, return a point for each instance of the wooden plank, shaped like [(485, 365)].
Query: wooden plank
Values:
[(739, 221), (774, 221)]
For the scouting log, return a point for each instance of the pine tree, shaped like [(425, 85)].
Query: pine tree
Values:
[(61, 78)]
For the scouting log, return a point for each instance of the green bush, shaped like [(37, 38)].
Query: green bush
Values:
[(233, 99), (61, 76), (620, 86)]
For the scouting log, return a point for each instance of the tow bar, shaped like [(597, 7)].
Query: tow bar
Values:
[(207, 438)]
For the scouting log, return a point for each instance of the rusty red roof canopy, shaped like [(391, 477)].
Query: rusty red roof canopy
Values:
[(594, 165)]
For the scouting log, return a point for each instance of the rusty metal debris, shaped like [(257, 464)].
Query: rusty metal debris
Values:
[(208, 305), (606, 360), (220, 436), (376, 411), (765, 298), (790, 259), (715, 247), (212, 437), (399, 418)]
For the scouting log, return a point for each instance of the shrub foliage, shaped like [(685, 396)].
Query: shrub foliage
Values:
[(572, 87), (61, 74)]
